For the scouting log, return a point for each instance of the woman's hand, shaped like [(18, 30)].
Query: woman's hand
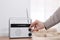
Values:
[(37, 25)]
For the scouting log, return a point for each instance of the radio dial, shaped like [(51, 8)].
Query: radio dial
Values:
[(29, 29), (30, 34)]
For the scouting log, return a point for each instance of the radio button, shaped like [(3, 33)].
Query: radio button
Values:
[(30, 34)]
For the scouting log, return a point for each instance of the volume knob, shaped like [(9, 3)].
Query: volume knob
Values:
[(30, 34), (29, 29)]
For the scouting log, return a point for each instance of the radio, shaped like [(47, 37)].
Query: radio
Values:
[(19, 28)]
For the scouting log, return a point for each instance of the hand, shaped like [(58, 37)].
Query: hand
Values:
[(37, 25)]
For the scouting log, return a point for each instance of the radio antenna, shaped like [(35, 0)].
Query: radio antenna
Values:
[(27, 15), (29, 21)]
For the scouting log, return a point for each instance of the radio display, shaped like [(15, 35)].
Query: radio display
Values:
[(20, 25)]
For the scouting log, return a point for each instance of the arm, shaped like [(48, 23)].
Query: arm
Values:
[(54, 19)]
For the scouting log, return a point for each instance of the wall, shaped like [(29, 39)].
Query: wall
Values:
[(50, 7), (37, 10), (43, 9), (11, 8)]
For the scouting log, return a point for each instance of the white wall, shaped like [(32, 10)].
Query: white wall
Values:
[(11, 8), (37, 10), (50, 7), (43, 9)]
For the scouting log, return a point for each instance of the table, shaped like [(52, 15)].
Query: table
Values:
[(7, 38)]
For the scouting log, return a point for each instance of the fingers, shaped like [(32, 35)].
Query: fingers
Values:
[(33, 24), (35, 28), (36, 25)]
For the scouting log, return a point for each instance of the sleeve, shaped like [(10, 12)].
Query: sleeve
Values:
[(54, 19)]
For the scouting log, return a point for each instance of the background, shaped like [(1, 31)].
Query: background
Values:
[(43, 9), (37, 9), (11, 8)]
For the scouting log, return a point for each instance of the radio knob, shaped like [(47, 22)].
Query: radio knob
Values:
[(29, 29), (30, 34)]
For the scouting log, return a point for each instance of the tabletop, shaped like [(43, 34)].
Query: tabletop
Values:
[(7, 38)]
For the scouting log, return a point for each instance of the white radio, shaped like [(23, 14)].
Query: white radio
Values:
[(19, 28)]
